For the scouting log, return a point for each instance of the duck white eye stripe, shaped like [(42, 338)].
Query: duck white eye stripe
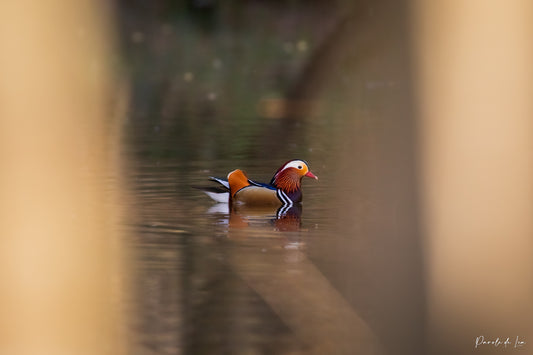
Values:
[(298, 164)]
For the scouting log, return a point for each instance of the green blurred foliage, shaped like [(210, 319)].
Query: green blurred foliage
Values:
[(199, 74)]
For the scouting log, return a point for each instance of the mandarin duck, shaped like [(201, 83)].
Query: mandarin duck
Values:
[(284, 190)]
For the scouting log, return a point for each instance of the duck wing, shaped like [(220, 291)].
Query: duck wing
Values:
[(245, 190)]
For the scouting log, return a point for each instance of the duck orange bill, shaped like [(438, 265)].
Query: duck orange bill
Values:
[(311, 175)]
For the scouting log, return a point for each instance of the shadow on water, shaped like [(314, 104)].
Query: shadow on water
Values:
[(262, 85)]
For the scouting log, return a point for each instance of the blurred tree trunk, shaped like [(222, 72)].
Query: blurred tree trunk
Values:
[(476, 84), (58, 217)]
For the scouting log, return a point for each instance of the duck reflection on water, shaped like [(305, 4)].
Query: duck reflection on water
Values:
[(266, 248), (283, 219)]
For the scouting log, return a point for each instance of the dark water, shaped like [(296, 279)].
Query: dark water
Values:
[(252, 89)]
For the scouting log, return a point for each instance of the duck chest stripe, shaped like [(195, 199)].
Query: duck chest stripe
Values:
[(280, 196), (284, 198), (288, 198)]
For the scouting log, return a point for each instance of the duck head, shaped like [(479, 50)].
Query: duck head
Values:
[(289, 176)]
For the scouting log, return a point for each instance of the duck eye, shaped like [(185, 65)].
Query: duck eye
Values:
[(299, 166)]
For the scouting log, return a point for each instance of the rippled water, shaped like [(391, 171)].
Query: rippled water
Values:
[(198, 265), (210, 281), (341, 276)]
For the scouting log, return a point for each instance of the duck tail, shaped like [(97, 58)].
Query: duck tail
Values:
[(220, 181)]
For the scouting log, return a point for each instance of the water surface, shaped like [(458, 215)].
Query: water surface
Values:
[(343, 275)]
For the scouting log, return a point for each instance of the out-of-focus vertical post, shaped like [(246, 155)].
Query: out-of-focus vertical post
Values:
[(474, 63), (59, 243)]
